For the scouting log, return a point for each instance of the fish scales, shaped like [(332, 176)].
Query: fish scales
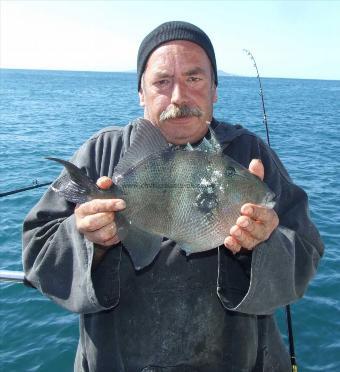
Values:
[(196, 203), (192, 196)]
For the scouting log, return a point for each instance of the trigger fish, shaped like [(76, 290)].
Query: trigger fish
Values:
[(192, 195)]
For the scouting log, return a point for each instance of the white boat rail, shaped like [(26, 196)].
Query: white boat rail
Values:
[(12, 276)]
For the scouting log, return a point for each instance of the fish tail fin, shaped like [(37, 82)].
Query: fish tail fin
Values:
[(74, 185)]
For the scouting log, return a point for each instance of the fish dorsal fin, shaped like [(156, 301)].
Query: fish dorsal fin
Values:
[(147, 140), (209, 143)]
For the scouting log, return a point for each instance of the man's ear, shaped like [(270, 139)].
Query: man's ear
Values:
[(141, 97), (215, 97)]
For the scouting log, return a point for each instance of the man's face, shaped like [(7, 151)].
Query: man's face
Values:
[(178, 76)]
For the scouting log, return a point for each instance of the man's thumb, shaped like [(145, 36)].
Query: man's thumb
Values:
[(104, 182), (256, 167)]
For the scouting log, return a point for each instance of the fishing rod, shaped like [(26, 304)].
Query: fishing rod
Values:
[(265, 121), (288, 310), (34, 186)]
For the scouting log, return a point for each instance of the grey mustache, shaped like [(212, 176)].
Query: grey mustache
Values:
[(183, 111)]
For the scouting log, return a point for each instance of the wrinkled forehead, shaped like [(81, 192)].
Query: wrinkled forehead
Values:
[(179, 52)]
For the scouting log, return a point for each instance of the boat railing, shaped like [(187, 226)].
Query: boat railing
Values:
[(10, 275)]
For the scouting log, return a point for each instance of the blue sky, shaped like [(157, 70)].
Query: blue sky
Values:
[(298, 39)]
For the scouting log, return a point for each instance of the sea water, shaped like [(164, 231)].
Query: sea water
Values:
[(51, 113)]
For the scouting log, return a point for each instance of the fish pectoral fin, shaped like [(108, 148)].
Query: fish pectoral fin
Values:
[(142, 247)]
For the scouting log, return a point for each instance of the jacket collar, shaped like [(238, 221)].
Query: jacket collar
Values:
[(226, 132)]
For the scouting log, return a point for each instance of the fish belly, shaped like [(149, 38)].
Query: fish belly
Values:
[(168, 196)]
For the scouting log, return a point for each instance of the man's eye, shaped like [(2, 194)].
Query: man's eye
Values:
[(162, 83), (193, 79)]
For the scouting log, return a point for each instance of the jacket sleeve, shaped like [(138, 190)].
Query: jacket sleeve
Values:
[(282, 266), (57, 259)]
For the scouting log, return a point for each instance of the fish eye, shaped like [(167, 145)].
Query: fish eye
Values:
[(230, 171)]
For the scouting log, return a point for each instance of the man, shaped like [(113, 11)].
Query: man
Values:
[(168, 316)]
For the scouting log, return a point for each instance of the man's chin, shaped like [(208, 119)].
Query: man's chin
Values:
[(180, 131)]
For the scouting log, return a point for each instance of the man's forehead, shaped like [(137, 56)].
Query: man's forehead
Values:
[(168, 71), (161, 59), (184, 46)]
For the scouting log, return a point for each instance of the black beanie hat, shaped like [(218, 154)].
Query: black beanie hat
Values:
[(175, 30)]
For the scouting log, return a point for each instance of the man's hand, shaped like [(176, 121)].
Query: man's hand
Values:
[(95, 219), (255, 224)]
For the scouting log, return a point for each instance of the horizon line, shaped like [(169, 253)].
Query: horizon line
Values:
[(224, 74)]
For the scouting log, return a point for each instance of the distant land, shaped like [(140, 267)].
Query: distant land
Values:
[(223, 73)]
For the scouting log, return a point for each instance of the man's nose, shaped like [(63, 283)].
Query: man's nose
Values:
[(179, 93)]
